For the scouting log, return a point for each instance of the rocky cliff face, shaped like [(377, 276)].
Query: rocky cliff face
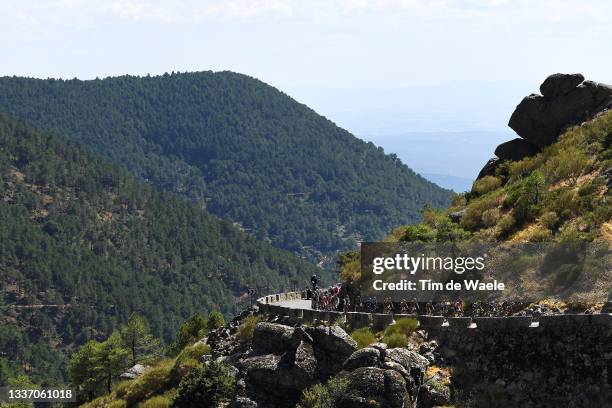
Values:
[(566, 100)]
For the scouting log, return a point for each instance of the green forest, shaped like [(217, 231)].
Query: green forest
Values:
[(89, 244), (245, 150)]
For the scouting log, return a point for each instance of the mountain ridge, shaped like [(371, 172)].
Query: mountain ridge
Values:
[(247, 151)]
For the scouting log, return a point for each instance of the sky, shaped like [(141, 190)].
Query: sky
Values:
[(374, 67), (322, 43)]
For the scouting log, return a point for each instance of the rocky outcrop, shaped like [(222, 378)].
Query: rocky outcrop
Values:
[(391, 377), (413, 362), (282, 361), (332, 346), (366, 357), (566, 100), (134, 372), (370, 386), (540, 119), (272, 338), (560, 84), (516, 149), (489, 167)]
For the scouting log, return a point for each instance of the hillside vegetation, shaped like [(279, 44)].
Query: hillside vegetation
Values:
[(559, 195), (250, 153), (89, 244)]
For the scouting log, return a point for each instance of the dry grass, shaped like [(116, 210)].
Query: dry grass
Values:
[(606, 231)]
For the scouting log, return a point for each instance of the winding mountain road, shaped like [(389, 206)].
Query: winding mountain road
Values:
[(295, 303)]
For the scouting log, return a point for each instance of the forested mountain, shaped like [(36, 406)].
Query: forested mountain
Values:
[(83, 244), (252, 154)]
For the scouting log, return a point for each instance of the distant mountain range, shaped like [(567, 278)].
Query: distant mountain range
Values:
[(449, 159), (457, 184), (456, 106), (241, 148)]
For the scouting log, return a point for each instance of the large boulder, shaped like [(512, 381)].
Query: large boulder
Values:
[(435, 392), (366, 357), (305, 363), (334, 339), (261, 370), (272, 379), (370, 386), (332, 346), (134, 372), (516, 149), (560, 84), (540, 119), (272, 338), (413, 362), (489, 167)]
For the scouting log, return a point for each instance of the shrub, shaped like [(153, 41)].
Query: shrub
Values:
[(159, 401), (601, 214), (247, 328), (540, 234), (153, 381), (418, 233), (550, 220), (396, 335), (205, 386), (183, 366), (190, 331), (322, 396), (490, 217), (521, 168), (562, 201), (458, 200), (350, 267), (486, 184), (568, 164), (472, 219), (405, 325), (215, 320), (395, 340), (525, 197), (363, 337), (189, 357), (505, 226), (566, 275), (122, 388), (196, 351)]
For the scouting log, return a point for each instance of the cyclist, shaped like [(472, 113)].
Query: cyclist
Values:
[(314, 282)]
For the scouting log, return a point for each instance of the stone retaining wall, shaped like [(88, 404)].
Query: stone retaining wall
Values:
[(548, 361), (379, 321)]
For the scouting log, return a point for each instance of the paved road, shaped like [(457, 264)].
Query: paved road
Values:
[(295, 304)]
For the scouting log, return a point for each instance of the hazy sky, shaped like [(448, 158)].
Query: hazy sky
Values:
[(322, 43)]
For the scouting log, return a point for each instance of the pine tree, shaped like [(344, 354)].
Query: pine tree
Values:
[(137, 338)]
